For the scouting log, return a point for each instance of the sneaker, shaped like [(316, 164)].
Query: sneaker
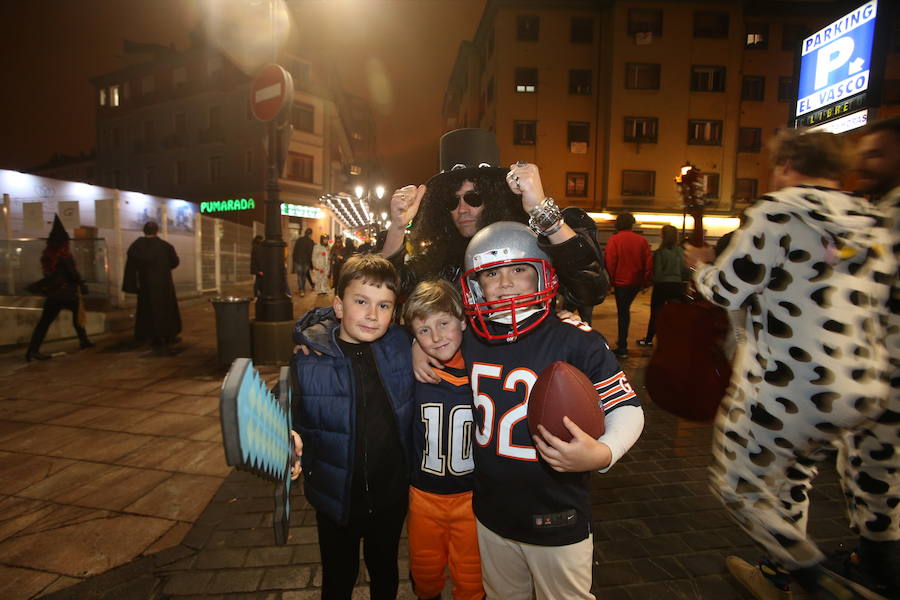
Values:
[(621, 352), (752, 578), (644, 342)]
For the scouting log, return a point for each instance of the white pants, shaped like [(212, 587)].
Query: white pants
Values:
[(511, 570)]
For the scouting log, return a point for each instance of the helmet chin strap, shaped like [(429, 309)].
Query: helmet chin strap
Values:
[(521, 315)]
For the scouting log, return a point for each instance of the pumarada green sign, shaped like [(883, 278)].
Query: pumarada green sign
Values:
[(232, 205)]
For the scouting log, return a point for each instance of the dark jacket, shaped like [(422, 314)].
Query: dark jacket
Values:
[(303, 248), (324, 407), (578, 263), (62, 284)]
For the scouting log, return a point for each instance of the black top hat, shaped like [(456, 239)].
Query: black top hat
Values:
[(471, 151), (58, 234)]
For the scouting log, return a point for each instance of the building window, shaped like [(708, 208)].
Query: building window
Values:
[(180, 172), (528, 28), (785, 89), (757, 36), (215, 169), (102, 96), (638, 183), (642, 76), (580, 81), (710, 24), (355, 169), (645, 20), (791, 36), (114, 99), (749, 139), (641, 129), (524, 133), (581, 30), (745, 189), (576, 185), (707, 78), (711, 185), (248, 160), (148, 84), (753, 87), (578, 136), (704, 132), (303, 117), (526, 80), (300, 166)]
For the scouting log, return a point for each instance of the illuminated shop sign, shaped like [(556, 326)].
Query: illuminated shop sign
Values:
[(301, 210), (836, 61), (218, 206), (852, 121)]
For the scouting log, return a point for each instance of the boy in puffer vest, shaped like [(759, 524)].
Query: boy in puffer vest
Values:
[(353, 410)]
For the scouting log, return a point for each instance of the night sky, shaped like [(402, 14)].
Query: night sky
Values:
[(397, 53)]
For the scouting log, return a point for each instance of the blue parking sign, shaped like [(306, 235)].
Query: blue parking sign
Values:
[(836, 60)]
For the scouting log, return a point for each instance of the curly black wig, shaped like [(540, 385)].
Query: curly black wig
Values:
[(437, 244)]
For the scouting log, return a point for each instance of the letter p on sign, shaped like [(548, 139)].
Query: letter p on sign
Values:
[(832, 57)]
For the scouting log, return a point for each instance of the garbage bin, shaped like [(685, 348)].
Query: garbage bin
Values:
[(232, 328)]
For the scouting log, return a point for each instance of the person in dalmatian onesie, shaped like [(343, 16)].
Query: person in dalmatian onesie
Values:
[(814, 268)]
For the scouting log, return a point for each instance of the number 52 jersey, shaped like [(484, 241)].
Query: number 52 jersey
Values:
[(517, 495)]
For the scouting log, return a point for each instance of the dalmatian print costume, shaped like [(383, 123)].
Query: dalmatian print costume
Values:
[(869, 459), (813, 272)]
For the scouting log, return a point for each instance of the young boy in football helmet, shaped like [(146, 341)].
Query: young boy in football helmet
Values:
[(531, 498)]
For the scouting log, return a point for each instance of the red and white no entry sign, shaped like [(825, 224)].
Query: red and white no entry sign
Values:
[(272, 89)]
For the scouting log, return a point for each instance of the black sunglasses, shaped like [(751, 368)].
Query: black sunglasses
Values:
[(472, 198)]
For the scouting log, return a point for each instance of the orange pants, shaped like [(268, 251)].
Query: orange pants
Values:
[(441, 529)]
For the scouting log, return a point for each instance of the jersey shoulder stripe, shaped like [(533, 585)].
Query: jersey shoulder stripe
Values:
[(614, 391)]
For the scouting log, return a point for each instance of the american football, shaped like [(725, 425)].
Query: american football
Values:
[(564, 391)]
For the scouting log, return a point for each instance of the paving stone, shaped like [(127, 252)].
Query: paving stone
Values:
[(235, 580), (659, 568), (220, 559), (620, 549), (704, 540), (612, 573), (286, 578), (704, 563), (182, 584), (664, 545), (271, 556), (306, 553)]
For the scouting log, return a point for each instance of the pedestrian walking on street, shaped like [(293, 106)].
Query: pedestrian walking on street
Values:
[(630, 267), (321, 265), (815, 266), (148, 273), (256, 265), (339, 256), (63, 286), (302, 259), (670, 276)]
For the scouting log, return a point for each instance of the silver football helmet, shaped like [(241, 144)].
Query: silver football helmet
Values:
[(498, 245)]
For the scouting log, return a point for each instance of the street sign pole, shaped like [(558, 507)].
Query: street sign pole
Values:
[(271, 96)]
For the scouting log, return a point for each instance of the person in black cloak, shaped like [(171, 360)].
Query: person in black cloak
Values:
[(148, 273), (61, 284)]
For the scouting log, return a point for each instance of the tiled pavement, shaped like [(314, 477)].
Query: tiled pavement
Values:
[(113, 485)]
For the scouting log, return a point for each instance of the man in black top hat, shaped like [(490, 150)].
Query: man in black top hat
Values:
[(148, 273), (471, 192)]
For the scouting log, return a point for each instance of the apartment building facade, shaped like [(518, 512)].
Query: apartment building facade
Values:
[(611, 98), (179, 124)]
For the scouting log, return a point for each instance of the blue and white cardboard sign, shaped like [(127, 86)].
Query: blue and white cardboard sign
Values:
[(835, 61)]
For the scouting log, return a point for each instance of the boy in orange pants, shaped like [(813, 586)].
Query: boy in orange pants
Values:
[(441, 524)]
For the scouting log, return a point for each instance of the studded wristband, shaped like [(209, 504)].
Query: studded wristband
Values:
[(545, 218)]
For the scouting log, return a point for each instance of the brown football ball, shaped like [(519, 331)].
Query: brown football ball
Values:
[(564, 391)]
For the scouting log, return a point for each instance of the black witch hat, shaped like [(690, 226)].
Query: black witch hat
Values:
[(58, 234), (467, 152)]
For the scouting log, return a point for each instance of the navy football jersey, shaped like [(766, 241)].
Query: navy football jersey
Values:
[(442, 432), (517, 495)]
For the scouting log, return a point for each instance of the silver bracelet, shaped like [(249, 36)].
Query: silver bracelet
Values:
[(545, 217)]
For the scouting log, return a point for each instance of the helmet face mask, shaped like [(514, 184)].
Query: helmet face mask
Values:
[(505, 244)]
